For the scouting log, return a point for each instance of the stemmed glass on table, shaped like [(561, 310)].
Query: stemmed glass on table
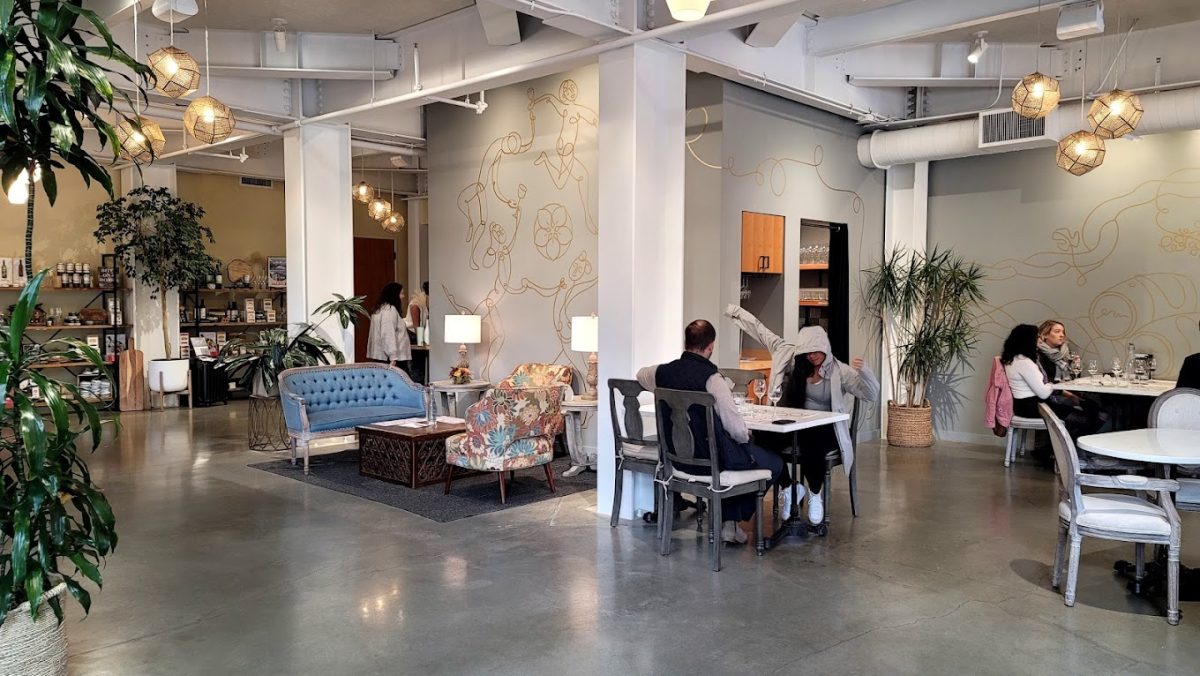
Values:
[(1093, 368), (1117, 368), (760, 390), (1076, 366), (776, 395)]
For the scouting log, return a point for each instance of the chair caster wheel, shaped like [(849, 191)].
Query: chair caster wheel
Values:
[(650, 517)]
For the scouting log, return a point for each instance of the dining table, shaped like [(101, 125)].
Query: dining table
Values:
[(1125, 401), (1166, 448)]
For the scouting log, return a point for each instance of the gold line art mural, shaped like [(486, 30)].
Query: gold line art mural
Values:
[(1157, 311), (534, 251)]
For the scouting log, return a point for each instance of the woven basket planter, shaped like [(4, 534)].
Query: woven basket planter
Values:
[(909, 427), (33, 648)]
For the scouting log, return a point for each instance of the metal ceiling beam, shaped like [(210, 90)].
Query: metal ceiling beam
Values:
[(499, 23), (917, 19), (768, 33), (933, 82), (117, 12)]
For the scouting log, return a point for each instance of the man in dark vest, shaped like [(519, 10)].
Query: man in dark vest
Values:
[(694, 372)]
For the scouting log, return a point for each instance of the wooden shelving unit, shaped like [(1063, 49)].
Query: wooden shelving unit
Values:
[(73, 327), (814, 266), (814, 303), (61, 365)]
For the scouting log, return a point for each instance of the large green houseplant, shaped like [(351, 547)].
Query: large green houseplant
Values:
[(56, 527), (161, 241), (53, 86), (923, 306)]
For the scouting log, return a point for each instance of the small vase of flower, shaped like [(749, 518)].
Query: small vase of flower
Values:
[(460, 375)]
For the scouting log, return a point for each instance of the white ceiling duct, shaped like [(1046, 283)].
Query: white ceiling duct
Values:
[(174, 11), (1176, 110)]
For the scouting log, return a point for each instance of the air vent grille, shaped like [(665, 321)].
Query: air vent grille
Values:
[(255, 182), (1002, 127)]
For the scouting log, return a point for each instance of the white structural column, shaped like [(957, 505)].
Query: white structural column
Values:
[(320, 226), (143, 310), (905, 225), (641, 233)]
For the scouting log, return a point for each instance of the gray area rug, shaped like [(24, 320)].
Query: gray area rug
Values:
[(469, 496)]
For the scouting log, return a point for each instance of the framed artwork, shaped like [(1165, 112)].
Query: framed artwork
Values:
[(276, 272)]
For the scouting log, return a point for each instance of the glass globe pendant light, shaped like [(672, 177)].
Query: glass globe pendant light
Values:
[(1037, 94), (379, 208), (395, 220)]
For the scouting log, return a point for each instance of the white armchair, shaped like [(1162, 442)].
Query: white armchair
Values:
[(1180, 409), (1111, 516)]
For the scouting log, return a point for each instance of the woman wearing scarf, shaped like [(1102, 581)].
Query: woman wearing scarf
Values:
[(1054, 354), (812, 378)]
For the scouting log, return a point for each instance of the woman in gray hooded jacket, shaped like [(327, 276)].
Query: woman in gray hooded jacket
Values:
[(812, 378)]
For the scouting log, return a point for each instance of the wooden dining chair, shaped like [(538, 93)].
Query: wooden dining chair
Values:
[(635, 450), (1111, 516)]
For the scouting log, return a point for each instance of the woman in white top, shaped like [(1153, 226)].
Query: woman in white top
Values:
[(1030, 385), (388, 339)]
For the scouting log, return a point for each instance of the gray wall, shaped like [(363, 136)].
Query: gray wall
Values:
[(775, 157), (1112, 254)]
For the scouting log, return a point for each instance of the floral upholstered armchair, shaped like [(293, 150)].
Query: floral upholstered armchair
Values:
[(533, 374), (509, 428)]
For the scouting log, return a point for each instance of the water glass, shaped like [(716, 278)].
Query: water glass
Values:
[(1093, 368)]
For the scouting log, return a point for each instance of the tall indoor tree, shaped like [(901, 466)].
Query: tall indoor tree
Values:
[(54, 84)]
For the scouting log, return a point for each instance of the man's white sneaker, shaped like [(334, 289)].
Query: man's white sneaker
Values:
[(816, 509), (573, 470)]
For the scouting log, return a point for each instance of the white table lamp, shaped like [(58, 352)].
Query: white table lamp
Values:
[(464, 330), (585, 337)]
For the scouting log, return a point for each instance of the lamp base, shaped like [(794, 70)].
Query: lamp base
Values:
[(590, 379), (462, 356)]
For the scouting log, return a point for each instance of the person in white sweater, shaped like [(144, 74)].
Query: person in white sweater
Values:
[(388, 339), (1030, 385)]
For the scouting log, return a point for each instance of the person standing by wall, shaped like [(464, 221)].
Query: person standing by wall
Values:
[(388, 340)]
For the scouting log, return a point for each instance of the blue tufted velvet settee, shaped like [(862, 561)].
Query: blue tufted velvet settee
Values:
[(330, 401)]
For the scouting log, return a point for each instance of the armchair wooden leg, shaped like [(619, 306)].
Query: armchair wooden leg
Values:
[(503, 492), (1173, 585), (550, 478), (1059, 549), (1072, 570), (449, 478)]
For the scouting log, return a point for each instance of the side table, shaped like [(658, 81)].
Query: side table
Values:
[(447, 390), (574, 412)]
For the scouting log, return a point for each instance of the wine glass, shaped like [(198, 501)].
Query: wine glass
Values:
[(776, 395), (1117, 368), (1093, 368), (1139, 371), (760, 390), (1076, 366), (1152, 368)]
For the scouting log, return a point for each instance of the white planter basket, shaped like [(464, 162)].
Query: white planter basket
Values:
[(166, 376), (31, 648)]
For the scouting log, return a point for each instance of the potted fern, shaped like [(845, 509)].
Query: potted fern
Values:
[(56, 527), (923, 306), (161, 241)]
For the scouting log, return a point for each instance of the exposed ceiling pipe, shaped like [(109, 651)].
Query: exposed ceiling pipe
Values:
[(556, 62), (1176, 110), (240, 139), (478, 107), (387, 148)]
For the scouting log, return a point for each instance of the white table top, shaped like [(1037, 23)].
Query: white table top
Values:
[(1157, 445), (1099, 385), (448, 385), (760, 418)]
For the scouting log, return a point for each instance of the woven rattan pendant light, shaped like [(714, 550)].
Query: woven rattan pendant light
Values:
[(379, 208), (141, 139), (1118, 112), (207, 119), (1037, 93), (363, 192), (1083, 150), (395, 220), (176, 72)]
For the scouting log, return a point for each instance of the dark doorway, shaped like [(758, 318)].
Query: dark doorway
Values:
[(374, 267)]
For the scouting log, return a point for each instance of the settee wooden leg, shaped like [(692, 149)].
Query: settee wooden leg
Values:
[(550, 478), (503, 492), (449, 478)]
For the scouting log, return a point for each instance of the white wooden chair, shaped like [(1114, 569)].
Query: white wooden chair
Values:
[(1180, 409), (1014, 441), (1111, 516)]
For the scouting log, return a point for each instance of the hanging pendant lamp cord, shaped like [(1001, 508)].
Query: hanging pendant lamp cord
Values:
[(207, 60)]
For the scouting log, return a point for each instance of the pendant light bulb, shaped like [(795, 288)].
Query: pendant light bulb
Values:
[(18, 191), (394, 222), (364, 192), (1115, 114)]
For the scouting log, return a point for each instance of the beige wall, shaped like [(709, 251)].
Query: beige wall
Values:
[(62, 232), (247, 222)]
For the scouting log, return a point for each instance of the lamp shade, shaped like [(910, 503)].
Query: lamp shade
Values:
[(208, 120), (141, 139), (1115, 114), (585, 334), (364, 192), (393, 223), (1035, 96), (687, 10), (379, 208), (462, 329), (176, 72), (1080, 152)]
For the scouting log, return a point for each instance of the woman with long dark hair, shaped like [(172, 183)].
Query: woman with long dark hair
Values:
[(1030, 385), (388, 340), (812, 378)]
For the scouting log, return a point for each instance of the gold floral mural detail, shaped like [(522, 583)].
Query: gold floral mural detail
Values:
[(532, 250)]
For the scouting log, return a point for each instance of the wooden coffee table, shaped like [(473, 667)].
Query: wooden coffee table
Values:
[(413, 456)]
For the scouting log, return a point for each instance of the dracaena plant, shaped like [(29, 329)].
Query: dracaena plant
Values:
[(53, 84), (55, 523), (257, 360), (160, 239)]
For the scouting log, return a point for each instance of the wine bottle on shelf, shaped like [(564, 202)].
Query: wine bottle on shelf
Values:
[(201, 311)]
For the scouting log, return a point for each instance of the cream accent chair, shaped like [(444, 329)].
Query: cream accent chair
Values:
[(1111, 516), (1180, 409)]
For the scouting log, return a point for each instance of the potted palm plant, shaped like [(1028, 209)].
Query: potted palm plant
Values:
[(256, 361), (160, 239), (53, 85), (923, 306), (56, 527)]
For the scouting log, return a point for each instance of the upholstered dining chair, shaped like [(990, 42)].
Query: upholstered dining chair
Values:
[(635, 451), (508, 429), (1111, 516), (1180, 409), (674, 410)]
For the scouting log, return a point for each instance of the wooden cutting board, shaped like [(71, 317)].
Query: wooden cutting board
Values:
[(133, 379)]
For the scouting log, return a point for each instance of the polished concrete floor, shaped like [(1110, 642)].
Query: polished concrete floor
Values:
[(222, 569)]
